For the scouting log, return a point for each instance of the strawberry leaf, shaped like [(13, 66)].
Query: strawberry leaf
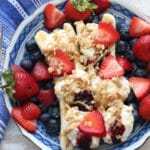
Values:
[(82, 5), (10, 82)]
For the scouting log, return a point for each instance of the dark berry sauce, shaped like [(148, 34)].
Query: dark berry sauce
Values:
[(117, 132), (84, 141), (84, 96)]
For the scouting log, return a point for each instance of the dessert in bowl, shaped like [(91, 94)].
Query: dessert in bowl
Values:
[(91, 78)]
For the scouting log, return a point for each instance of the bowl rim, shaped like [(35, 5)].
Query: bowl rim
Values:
[(14, 38)]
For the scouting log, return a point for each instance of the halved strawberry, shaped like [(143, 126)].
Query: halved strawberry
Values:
[(61, 63), (106, 34), (53, 17), (40, 71), (46, 97), (27, 124), (110, 68), (93, 124), (144, 108), (139, 27), (126, 65), (30, 111), (141, 48), (140, 86), (102, 5), (79, 10)]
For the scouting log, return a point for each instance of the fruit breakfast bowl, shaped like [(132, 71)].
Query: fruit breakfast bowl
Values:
[(21, 52)]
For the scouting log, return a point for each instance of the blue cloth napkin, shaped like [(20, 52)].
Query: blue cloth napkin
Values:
[(12, 13)]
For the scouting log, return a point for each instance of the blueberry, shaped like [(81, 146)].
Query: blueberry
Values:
[(31, 46), (44, 108), (35, 100), (89, 19), (45, 117), (53, 127), (124, 33), (131, 43), (140, 64), (27, 64), (37, 56), (55, 103), (54, 112), (122, 47), (46, 84), (129, 55), (141, 73), (95, 19), (131, 98), (135, 112)]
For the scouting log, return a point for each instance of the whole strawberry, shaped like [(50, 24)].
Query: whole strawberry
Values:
[(79, 9), (19, 83)]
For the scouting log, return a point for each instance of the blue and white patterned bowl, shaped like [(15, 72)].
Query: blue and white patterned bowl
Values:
[(16, 52)]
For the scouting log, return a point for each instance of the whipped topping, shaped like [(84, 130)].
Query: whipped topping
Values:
[(125, 118)]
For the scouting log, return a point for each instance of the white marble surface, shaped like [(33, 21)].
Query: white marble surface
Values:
[(13, 139)]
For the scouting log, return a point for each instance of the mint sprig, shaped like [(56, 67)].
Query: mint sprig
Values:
[(82, 5)]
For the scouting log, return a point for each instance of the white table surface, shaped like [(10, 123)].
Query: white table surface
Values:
[(13, 139)]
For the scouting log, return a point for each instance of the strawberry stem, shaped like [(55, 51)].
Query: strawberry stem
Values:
[(10, 82), (82, 5)]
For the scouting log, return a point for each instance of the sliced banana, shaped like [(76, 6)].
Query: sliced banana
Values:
[(41, 38)]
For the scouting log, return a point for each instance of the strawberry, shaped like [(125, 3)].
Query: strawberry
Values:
[(124, 63), (61, 63), (27, 124), (148, 67), (53, 17), (93, 124), (140, 86), (144, 108), (141, 48), (40, 72), (106, 34), (30, 111), (79, 10), (20, 84), (139, 27), (110, 68), (102, 5), (46, 97)]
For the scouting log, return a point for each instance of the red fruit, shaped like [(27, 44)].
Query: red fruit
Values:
[(124, 63), (102, 5), (30, 111), (144, 108), (93, 124), (40, 72), (46, 97), (106, 34), (148, 67), (53, 17), (26, 124), (141, 48), (110, 68), (140, 86), (25, 86), (78, 10), (139, 27), (61, 63)]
